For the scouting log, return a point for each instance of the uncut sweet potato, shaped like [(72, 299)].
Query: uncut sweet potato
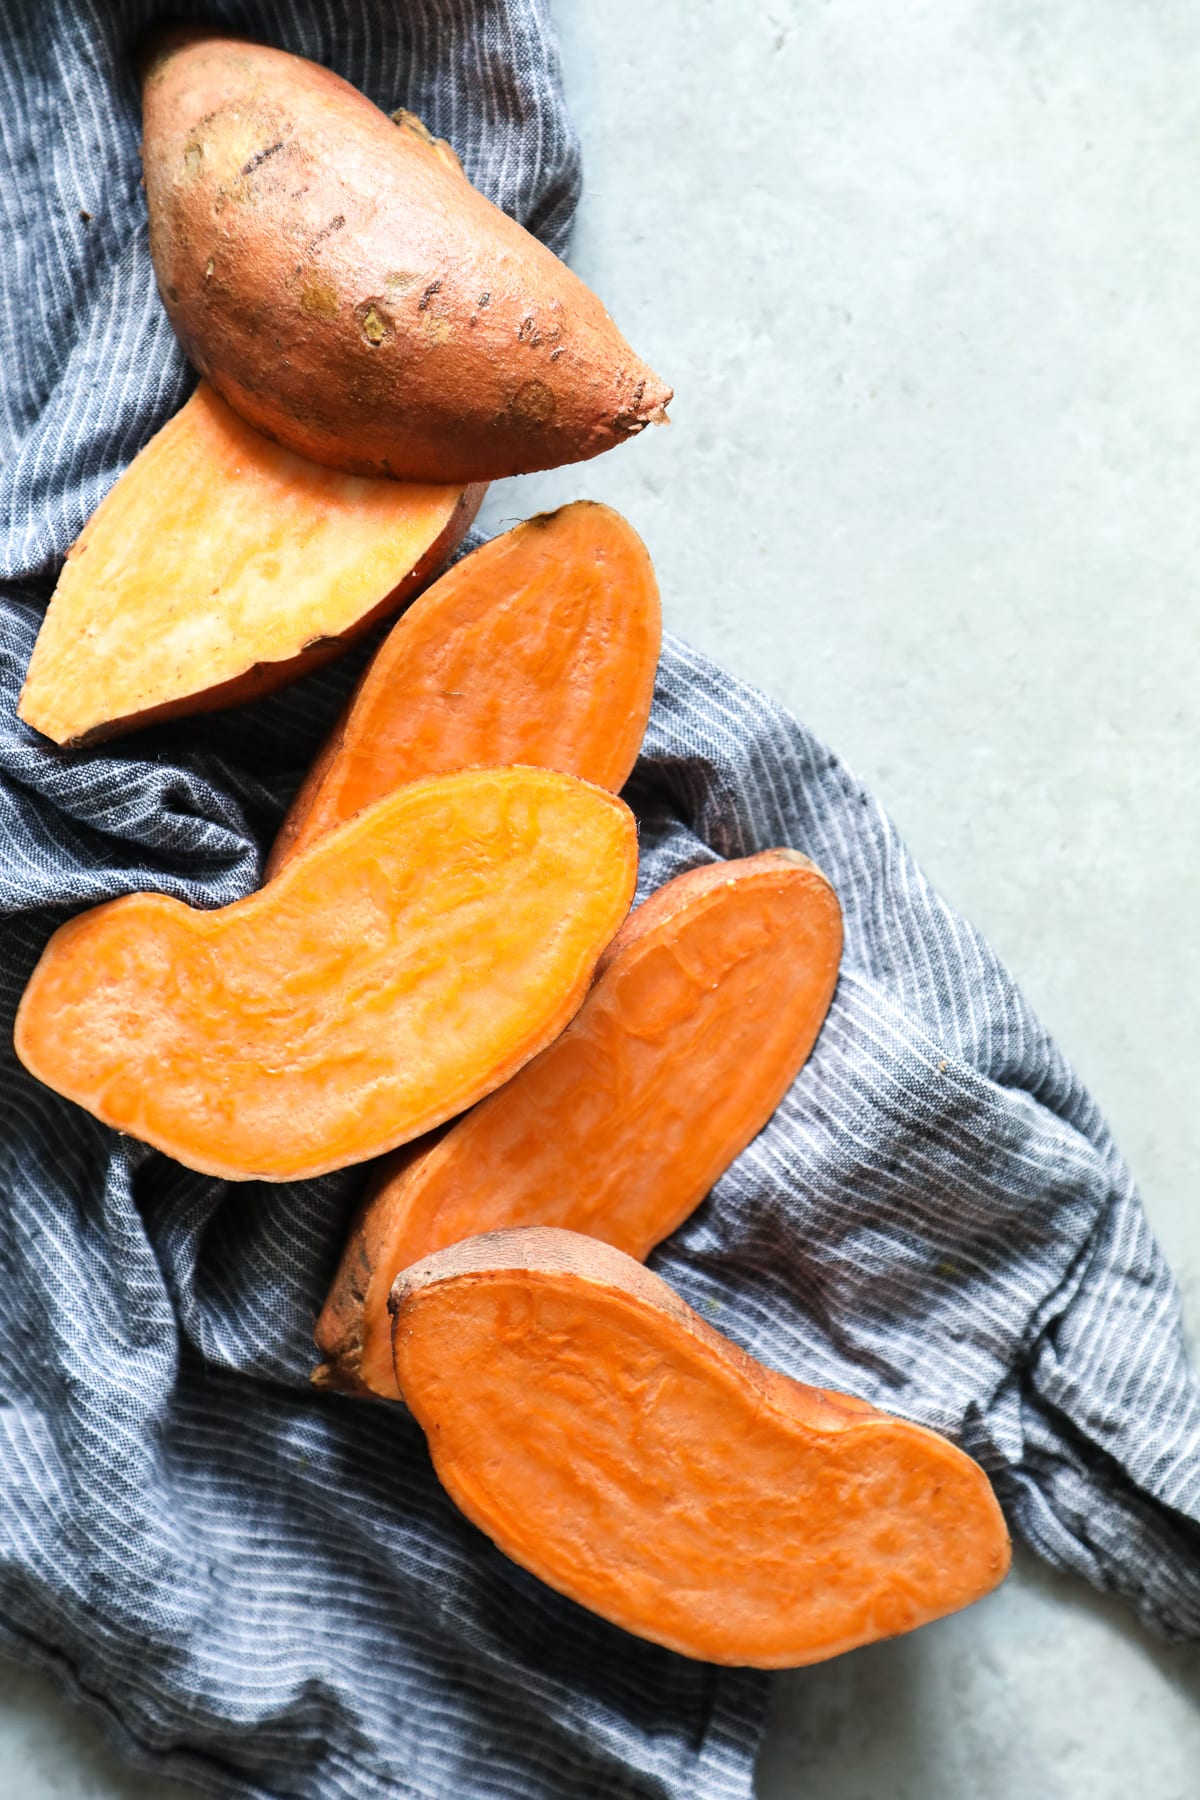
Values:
[(704, 1008), (404, 967), (220, 567), (612, 1443), (538, 648), (347, 290)]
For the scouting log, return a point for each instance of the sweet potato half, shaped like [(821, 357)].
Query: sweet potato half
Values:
[(404, 967), (704, 1008), (538, 648), (220, 567), (337, 278), (612, 1443)]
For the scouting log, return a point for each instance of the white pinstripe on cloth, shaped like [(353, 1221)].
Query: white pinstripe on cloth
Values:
[(262, 1587)]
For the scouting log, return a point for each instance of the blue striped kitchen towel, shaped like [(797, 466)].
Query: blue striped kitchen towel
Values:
[(262, 1587)]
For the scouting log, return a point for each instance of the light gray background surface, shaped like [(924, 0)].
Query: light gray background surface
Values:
[(927, 281)]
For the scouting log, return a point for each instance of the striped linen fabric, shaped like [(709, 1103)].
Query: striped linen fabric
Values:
[(260, 1587)]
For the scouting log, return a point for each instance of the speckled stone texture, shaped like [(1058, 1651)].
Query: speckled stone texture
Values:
[(927, 282)]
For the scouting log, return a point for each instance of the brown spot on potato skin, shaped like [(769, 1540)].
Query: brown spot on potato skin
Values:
[(319, 299), (533, 404), (374, 322)]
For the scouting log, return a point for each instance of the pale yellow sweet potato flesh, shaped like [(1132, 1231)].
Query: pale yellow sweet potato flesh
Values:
[(704, 1009), (617, 1447), (221, 566), (404, 967)]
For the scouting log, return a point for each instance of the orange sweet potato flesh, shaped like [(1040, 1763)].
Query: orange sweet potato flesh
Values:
[(220, 567), (704, 1008), (538, 648), (616, 1446), (404, 967), (347, 290)]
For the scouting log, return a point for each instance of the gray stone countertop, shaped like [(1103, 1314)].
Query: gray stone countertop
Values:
[(927, 281)]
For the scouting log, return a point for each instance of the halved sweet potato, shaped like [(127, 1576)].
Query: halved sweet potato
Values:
[(348, 291), (704, 1007), (403, 968), (220, 567), (538, 648), (612, 1443)]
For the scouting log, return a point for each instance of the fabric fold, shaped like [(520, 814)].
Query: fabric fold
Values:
[(262, 1587)]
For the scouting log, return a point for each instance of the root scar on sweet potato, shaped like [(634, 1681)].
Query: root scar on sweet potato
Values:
[(617, 1447), (704, 1008)]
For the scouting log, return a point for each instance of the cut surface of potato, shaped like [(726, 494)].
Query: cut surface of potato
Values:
[(704, 1008), (539, 648), (403, 968), (616, 1446), (220, 567)]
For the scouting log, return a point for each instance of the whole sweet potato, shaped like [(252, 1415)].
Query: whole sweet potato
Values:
[(339, 281)]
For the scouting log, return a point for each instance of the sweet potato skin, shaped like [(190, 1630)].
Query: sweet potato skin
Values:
[(406, 965), (704, 1007), (135, 633), (539, 648), (339, 281), (623, 1451)]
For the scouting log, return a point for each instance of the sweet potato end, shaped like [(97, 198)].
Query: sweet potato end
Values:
[(219, 568), (480, 356)]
